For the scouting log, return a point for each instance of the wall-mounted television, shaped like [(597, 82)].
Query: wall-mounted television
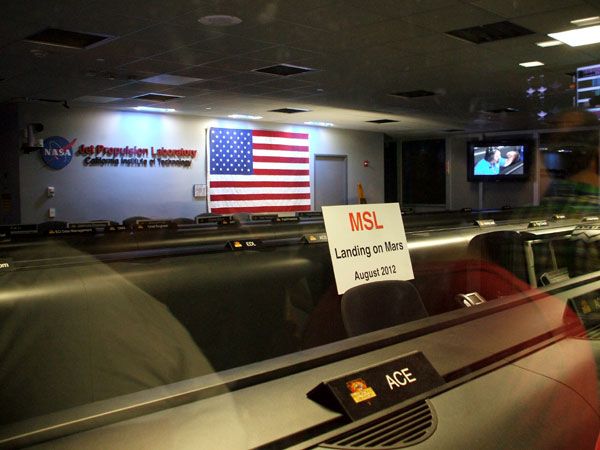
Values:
[(500, 160)]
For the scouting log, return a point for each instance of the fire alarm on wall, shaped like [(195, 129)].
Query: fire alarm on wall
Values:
[(366, 163)]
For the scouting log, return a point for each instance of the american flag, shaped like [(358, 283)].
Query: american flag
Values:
[(257, 171)]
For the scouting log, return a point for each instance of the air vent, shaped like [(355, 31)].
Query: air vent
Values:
[(402, 429), (382, 121), (289, 110), (157, 97), (414, 94), (502, 110), (491, 32), (284, 70), (66, 38)]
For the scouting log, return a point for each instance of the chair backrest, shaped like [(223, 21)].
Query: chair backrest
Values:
[(380, 304), (504, 248)]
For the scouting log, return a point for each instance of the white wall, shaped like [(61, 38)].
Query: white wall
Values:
[(87, 193)]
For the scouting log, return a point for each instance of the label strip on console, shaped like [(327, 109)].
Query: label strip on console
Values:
[(375, 388)]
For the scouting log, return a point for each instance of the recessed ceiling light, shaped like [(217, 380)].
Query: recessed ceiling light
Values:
[(320, 124), (66, 38), (382, 121), (220, 20), (531, 64), (586, 21), (579, 36), (284, 70), (244, 116), (152, 109), (154, 97), (289, 110), (490, 32), (552, 43)]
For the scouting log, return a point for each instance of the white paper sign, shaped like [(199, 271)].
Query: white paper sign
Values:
[(367, 243)]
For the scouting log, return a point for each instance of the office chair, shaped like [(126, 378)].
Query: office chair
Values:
[(380, 304)]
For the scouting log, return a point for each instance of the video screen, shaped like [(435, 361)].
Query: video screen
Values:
[(494, 160)]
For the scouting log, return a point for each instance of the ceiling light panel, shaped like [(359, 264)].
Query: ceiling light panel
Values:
[(545, 44), (284, 70), (65, 38), (531, 64), (153, 97), (490, 32), (586, 21), (578, 36), (382, 121), (289, 110)]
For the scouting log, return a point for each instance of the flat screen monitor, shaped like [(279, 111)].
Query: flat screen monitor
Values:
[(499, 160)]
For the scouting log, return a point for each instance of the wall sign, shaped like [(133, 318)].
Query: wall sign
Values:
[(105, 156), (57, 152), (367, 243)]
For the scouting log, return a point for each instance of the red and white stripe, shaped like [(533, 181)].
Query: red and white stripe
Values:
[(281, 179)]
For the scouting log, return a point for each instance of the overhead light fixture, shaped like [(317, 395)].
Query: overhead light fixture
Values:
[(244, 116), (152, 109), (220, 20), (319, 124), (382, 121), (289, 110), (545, 44), (531, 64), (586, 21), (490, 32), (67, 38), (578, 36), (154, 97), (284, 70)]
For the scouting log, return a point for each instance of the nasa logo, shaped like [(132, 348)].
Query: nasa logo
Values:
[(57, 152)]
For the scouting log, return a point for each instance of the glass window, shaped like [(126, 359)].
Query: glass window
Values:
[(164, 170)]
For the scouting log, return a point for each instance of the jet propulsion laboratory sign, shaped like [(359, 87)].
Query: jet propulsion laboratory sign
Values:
[(58, 152), (367, 243)]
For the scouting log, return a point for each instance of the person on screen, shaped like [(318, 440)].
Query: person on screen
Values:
[(493, 161)]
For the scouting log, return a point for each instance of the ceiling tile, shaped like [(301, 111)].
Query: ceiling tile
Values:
[(157, 10), (204, 72), (557, 20), (283, 54), (447, 19), (510, 9), (227, 45), (337, 16), (154, 66), (175, 36), (402, 8), (187, 56), (237, 63)]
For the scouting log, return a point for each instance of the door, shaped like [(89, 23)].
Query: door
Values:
[(331, 185)]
